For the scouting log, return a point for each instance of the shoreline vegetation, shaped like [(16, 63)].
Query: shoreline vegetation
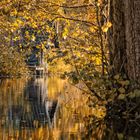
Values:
[(12, 63)]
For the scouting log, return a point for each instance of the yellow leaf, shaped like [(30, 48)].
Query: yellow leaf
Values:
[(27, 33), (65, 33), (34, 25), (109, 24), (105, 29), (61, 11), (106, 26), (13, 13), (121, 90), (15, 24), (38, 47), (33, 38)]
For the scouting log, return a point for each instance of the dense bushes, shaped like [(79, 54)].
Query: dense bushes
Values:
[(11, 62)]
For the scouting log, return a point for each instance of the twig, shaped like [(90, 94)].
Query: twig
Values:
[(101, 38)]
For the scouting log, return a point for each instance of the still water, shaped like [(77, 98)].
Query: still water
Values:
[(49, 108), (45, 108)]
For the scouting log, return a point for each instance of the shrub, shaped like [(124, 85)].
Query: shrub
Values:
[(11, 62)]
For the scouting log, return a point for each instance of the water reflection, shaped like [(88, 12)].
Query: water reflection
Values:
[(46, 108), (40, 108)]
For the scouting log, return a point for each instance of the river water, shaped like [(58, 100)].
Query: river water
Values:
[(49, 108)]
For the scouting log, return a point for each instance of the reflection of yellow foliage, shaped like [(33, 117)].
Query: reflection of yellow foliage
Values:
[(40, 132), (55, 91), (69, 117), (99, 111)]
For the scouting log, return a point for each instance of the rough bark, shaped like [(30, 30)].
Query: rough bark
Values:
[(132, 21), (124, 38), (117, 35)]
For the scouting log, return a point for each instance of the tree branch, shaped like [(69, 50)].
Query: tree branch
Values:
[(77, 20)]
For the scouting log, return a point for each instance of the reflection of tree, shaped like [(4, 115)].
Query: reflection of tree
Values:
[(11, 96), (40, 110), (25, 104)]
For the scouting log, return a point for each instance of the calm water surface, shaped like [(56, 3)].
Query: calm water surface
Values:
[(40, 109), (48, 108)]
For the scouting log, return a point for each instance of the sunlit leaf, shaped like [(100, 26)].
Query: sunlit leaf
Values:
[(106, 26)]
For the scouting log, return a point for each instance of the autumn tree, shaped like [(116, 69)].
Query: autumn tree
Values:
[(22, 31)]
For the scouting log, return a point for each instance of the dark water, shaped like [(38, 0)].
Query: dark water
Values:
[(49, 108)]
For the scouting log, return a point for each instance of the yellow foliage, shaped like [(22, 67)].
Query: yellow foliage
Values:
[(106, 26), (33, 38), (61, 11), (13, 12)]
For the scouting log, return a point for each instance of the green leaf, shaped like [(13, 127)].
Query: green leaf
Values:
[(121, 96), (117, 76), (121, 90), (127, 82), (124, 83)]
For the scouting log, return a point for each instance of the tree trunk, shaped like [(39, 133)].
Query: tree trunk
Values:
[(124, 38)]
